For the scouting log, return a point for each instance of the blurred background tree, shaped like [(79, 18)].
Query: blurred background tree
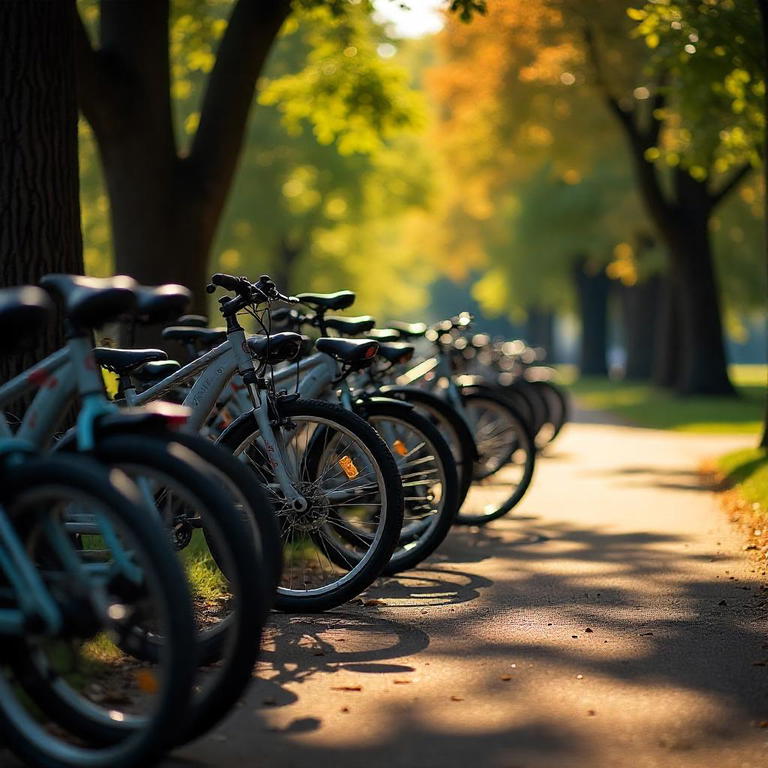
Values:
[(574, 170)]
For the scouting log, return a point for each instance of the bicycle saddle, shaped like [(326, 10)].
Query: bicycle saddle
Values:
[(324, 301), (149, 373), (123, 361), (350, 326), (354, 352), (277, 347), (384, 334), (90, 302), (396, 353), (193, 321), (410, 330), (161, 304), (23, 317), (191, 335)]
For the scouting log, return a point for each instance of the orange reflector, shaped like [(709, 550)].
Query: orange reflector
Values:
[(146, 681), (371, 352), (399, 447), (350, 470)]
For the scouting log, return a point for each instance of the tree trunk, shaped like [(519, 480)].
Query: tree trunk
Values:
[(703, 365), (640, 306), (592, 292), (666, 360), (681, 216), (540, 330), (288, 254), (164, 207), (39, 179)]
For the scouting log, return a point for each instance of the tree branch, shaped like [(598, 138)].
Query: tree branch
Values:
[(247, 41), (639, 141), (730, 184)]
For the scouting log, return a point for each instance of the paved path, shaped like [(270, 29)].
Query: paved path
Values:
[(587, 630)]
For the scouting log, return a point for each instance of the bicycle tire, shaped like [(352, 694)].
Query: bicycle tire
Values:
[(524, 444), (244, 431), (427, 538), (450, 423), (236, 646), (129, 745)]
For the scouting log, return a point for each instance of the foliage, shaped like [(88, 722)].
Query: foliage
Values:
[(537, 162), (711, 54), (328, 160)]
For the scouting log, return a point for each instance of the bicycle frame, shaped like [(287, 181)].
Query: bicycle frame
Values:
[(442, 369), (215, 369)]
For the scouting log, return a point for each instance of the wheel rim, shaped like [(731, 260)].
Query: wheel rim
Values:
[(312, 546)]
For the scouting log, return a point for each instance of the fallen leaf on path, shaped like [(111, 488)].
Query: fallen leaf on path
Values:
[(587, 629), (401, 682), (645, 634), (344, 709), (591, 712), (374, 601), (347, 688), (763, 724), (505, 677), (456, 698)]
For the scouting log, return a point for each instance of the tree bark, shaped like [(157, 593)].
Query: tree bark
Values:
[(592, 291), (39, 178), (640, 310), (666, 359), (164, 207)]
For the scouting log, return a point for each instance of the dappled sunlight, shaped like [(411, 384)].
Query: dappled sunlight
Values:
[(562, 634)]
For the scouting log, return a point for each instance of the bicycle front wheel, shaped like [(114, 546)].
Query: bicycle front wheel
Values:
[(339, 538), (73, 697)]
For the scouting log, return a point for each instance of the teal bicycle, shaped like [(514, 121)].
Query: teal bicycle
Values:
[(70, 693)]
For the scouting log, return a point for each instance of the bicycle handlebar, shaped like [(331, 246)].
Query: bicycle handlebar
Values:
[(264, 289)]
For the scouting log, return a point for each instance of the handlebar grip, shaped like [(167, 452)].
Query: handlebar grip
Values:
[(227, 282)]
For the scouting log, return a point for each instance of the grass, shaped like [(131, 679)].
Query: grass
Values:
[(205, 579), (747, 471), (646, 406)]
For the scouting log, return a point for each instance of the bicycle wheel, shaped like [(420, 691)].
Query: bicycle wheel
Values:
[(429, 478), (59, 689), (349, 480), (248, 495), (451, 426), (229, 598), (503, 443), (558, 407)]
